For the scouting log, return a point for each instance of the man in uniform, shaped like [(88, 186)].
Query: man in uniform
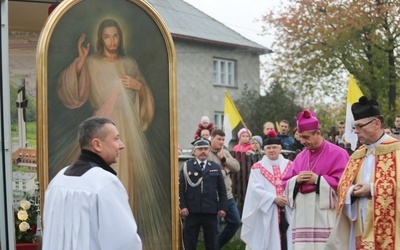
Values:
[(311, 185), (202, 195), (368, 192)]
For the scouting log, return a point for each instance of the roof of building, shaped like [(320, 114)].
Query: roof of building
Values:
[(23, 151), (183, 20), (186, 22)]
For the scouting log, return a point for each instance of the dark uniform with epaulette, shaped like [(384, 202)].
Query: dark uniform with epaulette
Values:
[(203, 193)]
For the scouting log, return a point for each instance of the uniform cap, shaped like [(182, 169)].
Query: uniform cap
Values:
[(201, 143)]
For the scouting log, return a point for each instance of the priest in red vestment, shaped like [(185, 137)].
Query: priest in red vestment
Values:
[(264, 219), (369, 201)]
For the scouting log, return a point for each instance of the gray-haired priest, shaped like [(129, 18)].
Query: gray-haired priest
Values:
[(368, 192), (265, 223)]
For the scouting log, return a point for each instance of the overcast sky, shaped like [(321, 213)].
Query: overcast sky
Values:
[(239, 15)]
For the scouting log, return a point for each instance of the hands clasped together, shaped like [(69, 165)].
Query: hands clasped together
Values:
[(306, 177), (362, 190), (280, 200)]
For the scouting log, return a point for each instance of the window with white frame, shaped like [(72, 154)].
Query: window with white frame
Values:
[(218, 119), (224, 72)]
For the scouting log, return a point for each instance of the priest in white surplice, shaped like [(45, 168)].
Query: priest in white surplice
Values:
[(311, 184), (86, 206), (264, 220)]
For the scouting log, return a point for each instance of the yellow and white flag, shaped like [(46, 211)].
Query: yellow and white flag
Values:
[(231, 118), (353, 94)]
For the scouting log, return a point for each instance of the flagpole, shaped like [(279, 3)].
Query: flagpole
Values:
[(244, 125)]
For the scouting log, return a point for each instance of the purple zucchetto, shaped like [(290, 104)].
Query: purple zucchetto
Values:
[(306, 120)]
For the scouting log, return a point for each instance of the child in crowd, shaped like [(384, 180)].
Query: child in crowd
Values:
[(244, 144), (204, 124), (256, 151)]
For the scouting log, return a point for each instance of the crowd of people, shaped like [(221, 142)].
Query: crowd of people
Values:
[(328, 197), (323, 199)]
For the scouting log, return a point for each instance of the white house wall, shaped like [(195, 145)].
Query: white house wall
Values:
[(197, 95)]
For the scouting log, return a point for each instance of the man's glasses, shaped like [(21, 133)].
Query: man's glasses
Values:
[(360, 126)]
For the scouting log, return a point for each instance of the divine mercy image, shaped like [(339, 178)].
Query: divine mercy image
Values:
[(104, 81)]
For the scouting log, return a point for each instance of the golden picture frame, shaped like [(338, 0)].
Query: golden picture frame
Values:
[(147, 122)]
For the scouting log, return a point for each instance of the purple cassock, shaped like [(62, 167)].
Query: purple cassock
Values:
[(328, 160)]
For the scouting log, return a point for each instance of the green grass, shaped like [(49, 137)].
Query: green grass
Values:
[(21, 169), (233, 245)]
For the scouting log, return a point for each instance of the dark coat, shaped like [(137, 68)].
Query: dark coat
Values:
[(213, 196)]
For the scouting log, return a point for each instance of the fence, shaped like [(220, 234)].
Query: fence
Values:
[(241, 178)]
